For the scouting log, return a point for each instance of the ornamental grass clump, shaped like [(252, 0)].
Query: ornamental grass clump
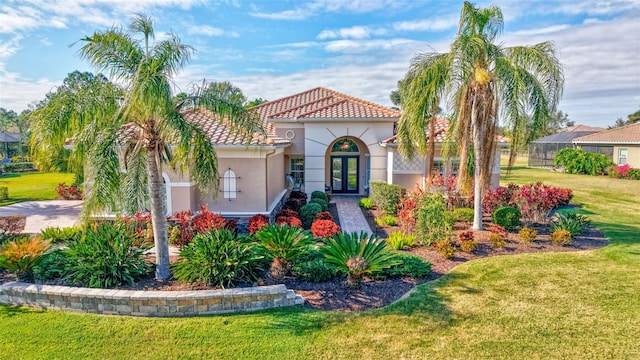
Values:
[(386, 220), (217, 258), (21, 255), (284, 244), (357, 255), (399, 240)]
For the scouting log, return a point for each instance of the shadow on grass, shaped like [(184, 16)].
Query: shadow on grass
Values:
[(7, 310), (303, 321), (10, 175)]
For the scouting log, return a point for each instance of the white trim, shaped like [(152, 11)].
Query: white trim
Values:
[(181, 184), (251, 213)]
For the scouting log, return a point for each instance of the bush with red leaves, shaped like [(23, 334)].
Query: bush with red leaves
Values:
[(324, 228), (206, 220), (257, 222)]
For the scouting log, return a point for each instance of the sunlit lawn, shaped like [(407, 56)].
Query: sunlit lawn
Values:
[(33, 186), (577, 305)]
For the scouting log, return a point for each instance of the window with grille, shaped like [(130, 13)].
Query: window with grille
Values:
[(229, 188)]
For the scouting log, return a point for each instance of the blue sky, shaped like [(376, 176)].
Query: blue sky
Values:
[(272, 49)]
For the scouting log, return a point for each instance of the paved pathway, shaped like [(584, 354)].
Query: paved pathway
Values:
[(351, 218), (43, 214)]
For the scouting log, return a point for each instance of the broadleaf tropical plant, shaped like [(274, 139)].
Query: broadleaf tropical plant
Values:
[(357, 255), (480, 81), (128, 141)]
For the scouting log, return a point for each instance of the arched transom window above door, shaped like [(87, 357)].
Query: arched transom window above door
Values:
[(345, 145)]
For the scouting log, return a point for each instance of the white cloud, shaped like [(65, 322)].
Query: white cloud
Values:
[(426, 25), (313, 8), (539, 31), (362, 46), (354, 32), (207, 30)]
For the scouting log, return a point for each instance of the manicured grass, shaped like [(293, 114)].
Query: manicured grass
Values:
[(33, 186), (531, 306)]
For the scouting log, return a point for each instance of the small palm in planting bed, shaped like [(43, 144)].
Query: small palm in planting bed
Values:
[(313, 267), (217, 258), (358, 255), (284, 244)]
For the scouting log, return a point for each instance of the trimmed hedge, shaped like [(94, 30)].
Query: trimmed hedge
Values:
[(386, 196)]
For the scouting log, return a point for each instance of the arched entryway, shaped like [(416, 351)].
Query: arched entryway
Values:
[(347, 166)]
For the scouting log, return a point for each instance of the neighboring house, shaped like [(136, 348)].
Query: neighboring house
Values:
[(316, 140), (542, 151), (621, 144)]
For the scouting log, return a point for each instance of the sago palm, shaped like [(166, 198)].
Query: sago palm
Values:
[(128, 148), (480, 81), (285, 244)]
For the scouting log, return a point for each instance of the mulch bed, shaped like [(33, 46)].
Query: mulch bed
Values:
[(335, 295)]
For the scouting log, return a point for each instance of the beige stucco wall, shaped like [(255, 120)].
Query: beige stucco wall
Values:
[(633, 154), (321, 135), (293, 132)]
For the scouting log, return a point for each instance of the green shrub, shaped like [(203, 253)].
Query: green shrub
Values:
[(408, 265), (527, 235), (578, 161), (15, 167), (399, 240), (56, 234), (4, 192), (357, 255), (104, 257), (507, 216), (308, 214), (571, 222), (52, 266), (22, 254), (561, 237), (497, 240), (217, 258), (324, 205), (366, 203), (434, 221), (386, 196), (283, 244), (463, 214), (386, 220), (320, 195), (314, 269)]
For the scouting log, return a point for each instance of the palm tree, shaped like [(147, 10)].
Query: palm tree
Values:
[(480, 80), (131, 145)]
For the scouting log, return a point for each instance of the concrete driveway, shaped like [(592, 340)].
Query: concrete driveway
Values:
[(43, 214)]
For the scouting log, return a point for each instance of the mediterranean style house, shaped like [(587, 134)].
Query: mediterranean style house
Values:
[(319, 139), (621, 144)]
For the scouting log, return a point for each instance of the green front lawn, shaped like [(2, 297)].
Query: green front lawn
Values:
[(530, 306), (33, 186)]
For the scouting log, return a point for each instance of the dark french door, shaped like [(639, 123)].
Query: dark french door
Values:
[(344, 174)]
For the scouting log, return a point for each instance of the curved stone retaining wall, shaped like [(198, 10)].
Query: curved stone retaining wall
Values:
[(148, 303)]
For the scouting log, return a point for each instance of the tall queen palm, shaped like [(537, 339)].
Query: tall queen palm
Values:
[(126, 153), (479, 81)]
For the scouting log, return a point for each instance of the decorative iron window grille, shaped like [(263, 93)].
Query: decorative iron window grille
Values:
[(229, 184)]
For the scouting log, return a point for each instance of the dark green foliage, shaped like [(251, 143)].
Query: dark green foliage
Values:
[(507, 217), (578, 161), (218, 258), (574, 223), (323, 203), (283, 244), (434, 222), (357, 255), (408, 265), (319, 195), (52, 266), (463, 214), (4, 192), (105, 257), (308, 214), (18, 167), (386, 196), (313, 267)]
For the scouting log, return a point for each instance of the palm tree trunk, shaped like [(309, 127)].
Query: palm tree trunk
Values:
[(157, 197), (432, 149), (477, 172)]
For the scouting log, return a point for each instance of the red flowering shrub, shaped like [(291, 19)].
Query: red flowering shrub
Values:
[(533, 200), (466, 235), (497, 229), (324, 215), (69, 192), (206, 220), (289, 220), (324, 228), (257, 222), (500, 197), (622, 171)]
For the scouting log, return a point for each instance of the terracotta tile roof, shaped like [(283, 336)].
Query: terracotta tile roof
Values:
[(322, 103), (629, 134), (223, 132)]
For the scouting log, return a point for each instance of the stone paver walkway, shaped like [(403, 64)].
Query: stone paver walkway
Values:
[(43, 214), (351, 218)]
